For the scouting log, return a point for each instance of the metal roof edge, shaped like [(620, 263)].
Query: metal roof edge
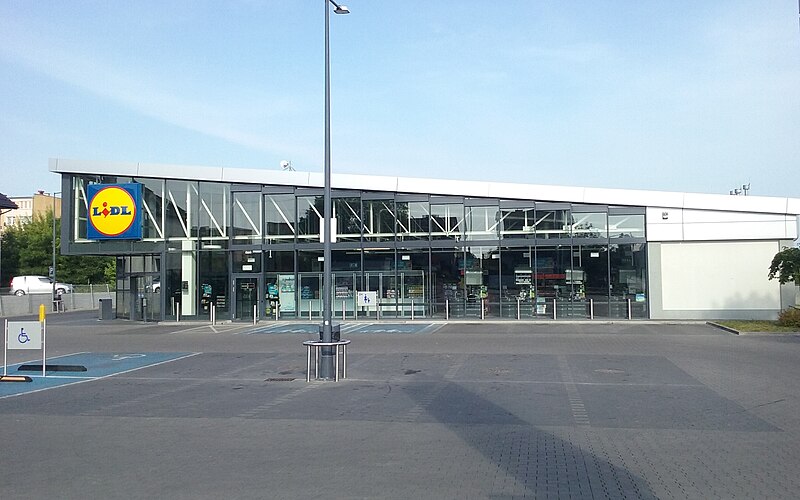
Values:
[(452, 187)]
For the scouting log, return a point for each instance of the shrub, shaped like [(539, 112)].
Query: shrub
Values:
[(789, 317)]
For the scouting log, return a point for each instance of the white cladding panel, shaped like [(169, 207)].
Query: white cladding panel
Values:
[(716, 202), (664, 224), (718, 276), (714, 225), (671, 224)]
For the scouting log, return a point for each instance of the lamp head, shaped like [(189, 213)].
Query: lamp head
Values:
[(341, 9)]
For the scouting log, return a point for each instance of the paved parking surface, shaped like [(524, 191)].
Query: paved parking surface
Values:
[(630, 410)]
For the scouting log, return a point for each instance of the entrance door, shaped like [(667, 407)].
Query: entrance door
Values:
[(145, 297), (246, 291)]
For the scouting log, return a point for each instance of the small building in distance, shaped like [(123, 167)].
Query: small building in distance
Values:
[(28, 207)]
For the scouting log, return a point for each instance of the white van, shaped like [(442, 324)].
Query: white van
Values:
[(22, 285)]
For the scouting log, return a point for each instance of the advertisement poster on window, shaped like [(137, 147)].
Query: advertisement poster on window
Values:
[(286, 284)]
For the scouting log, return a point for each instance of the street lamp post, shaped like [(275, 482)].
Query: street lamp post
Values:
[(327, 328), (55, 298)]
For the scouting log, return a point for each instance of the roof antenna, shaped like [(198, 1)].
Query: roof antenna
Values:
[(287, 165)]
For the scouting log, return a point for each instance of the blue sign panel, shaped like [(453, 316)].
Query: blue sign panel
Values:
[(114, 212)]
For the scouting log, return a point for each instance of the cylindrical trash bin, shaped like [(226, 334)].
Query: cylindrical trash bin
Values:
[(106, 309)]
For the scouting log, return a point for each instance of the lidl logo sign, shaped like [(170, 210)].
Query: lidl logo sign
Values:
[(114, 211)]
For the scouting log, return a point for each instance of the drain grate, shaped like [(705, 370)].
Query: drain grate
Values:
[(279, 379)]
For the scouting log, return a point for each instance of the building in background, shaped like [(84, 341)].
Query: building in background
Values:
[(29, 207), (247, 242)]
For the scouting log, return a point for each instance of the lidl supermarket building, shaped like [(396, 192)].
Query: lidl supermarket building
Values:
[(245, 242)]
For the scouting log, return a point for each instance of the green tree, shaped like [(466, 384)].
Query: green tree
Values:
[(786, 266), (10, 255)]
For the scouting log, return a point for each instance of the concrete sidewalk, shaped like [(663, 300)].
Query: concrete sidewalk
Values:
[(507, 410)]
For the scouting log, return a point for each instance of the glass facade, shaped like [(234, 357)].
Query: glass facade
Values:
[(255, 250)]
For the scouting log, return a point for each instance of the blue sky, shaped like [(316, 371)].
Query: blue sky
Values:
[(698, 96)]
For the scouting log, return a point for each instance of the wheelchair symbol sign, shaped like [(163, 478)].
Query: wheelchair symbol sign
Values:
[(24, 335)]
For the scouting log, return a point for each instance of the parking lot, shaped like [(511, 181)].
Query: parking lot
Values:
[(429, 410)]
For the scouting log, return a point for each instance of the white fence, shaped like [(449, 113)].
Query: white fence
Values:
[(86, 299)]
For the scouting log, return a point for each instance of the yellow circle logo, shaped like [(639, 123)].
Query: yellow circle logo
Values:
[(112, 211)]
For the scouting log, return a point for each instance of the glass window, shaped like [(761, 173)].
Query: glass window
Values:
[(516, 282), (481, 276), (282, 262), (447, 283), (213, 279), (310, 210), (550, 268), (482, 223), (346, 271), (279, 215), (181, 280), (553, 223), (413, 220), (626, 226), (447, 221), (589, 225), (413, 273), (380, 277), (81, 208), (281, 280), (378, 220), (517, 222), (590, 271), (246, 217), (153, 208), (628, 270), (309, 267), (347, 212), (181, 209), (247, 261), (212, 220)]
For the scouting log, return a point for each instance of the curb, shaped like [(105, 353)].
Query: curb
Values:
[(723, 327)]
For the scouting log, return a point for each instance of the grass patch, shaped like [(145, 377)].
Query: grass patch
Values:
[(753, 326)]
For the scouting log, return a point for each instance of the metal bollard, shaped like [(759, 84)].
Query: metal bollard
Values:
[(518, 309), (555, 314), (309, 310), (591, 308), (412, 309), (483, 309), (277, 306), (343, 311), (629, 309), (255, 314), (447, 309)]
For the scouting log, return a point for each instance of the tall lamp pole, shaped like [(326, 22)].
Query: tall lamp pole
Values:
[(54, 249), (327, 328)]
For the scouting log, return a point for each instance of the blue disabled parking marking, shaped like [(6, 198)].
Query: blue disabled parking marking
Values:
[(98, 365), (347, 328), (286, 328), (391, 328)]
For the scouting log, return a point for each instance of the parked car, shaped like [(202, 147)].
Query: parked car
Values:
[(21, 285)]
